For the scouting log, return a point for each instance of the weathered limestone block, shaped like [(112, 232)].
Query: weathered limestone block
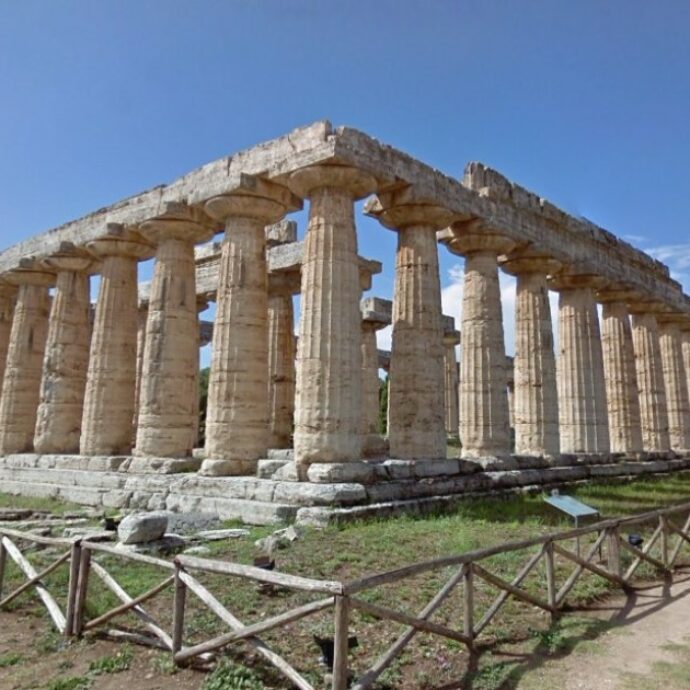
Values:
[(66, 361), (8, 294), (450, 369), (329, 355), (685, 349), (619, 372), (24, 365), (417, 393), (536, 397), (111, 377), (168, 402), (650, 380), (484, 429), (281, 369), (139, 528), (237, 416), (580, 368), (676, 385)]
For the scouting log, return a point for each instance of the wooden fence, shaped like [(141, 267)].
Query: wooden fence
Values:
[(661, 551)]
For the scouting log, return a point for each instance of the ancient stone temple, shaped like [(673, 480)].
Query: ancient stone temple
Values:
[(99, 392)]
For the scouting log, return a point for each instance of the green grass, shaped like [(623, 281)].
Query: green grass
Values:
[(10, 659), (70, 683), (664, 675), (114, 663), (353, 550)]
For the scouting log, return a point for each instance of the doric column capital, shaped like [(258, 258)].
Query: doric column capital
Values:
[(525, 262), (641, 306), (368, 268), (121, 242), (256, 199), (285, 283), (396, 214), (574, 281), (356, 183), (30, 272), (451, 338), (680, 321), (617, 293), (180, 222), (72, 259), (474, 236), (7, 289), (376, 313)]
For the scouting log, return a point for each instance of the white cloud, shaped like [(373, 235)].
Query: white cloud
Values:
[(677, 258)]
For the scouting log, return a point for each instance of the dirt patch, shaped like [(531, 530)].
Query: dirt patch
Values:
[(645, 627), (44, 657)]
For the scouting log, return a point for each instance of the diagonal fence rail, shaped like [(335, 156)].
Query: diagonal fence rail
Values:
[(661, 552)]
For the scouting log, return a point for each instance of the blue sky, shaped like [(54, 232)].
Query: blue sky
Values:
[(587, 103)]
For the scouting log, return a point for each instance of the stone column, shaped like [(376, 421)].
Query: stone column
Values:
[(24, 365), (580, 368), (374, 318), (111, 377), (8, 295), (237, 432), (281, 369), (484, 424), (685, 349), (623, 404), (329, 355), (142, 318), (58, 424), (650, 379), (417, 381), (167, 395), (201, 306), (450, 366), (534, 365), (678, 406)]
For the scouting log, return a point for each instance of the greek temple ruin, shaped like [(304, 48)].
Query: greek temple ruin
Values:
[(99, 402)]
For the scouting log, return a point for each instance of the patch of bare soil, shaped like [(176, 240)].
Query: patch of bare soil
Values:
[(45, 658), (645, 625)]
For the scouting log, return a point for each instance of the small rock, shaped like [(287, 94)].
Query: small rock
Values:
[(280, 539), (218, 534), (140, 528), (198, 551), (170, 543)]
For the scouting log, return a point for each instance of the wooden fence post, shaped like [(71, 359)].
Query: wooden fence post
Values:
[(614, 552), (74, 563), (664, 540), (341, 642), (3, 561), (178, 611), (551, 591), (468, 596), (82, 586)]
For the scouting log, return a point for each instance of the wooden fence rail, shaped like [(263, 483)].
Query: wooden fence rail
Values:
[(659, 551)]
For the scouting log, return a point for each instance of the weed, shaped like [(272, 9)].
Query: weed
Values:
[(231, 676), (11, 659), (164, 664), (70, 683), (114, 663)]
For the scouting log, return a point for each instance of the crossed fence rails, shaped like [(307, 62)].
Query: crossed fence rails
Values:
[(342, 597)]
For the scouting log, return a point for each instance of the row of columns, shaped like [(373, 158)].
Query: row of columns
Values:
[(66, 389)]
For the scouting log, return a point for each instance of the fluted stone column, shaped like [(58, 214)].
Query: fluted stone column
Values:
[(328, 397), (24, 366), (484, 423), (450, 369), (237, 433), (167, 394), (111, 377), (619, 373), (8, 295), (580, 369), (534, 365), (685, 349), (417, 379), (281, 369), (650, 379), (58, 424), (201, 306), (142, 318), (678, 406)]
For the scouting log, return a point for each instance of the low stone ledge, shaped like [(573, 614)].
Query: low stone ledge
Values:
[(267, 467), (341, 472)]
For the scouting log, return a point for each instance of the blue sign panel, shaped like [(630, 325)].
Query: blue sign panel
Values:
[(571, 506)]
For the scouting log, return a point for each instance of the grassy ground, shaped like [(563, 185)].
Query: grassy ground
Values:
[(364, 548)]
